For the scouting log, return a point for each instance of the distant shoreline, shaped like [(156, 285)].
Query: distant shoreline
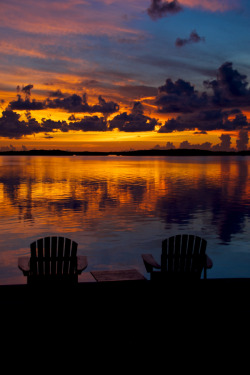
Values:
[(172, 152)]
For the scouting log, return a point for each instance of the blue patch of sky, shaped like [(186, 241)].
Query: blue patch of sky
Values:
[(226, 39)]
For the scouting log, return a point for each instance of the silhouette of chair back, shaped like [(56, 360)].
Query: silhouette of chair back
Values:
[(183, 256), (53, 259)]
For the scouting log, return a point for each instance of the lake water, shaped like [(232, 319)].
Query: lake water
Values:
[(117, 208)]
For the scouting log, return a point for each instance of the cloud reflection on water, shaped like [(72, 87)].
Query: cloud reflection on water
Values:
[(175, 190)]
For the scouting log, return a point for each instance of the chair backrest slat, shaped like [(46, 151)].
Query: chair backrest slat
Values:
[(60, 252), (67, 250), (183, 254), (40, 256), (73, 263), (190, 247), (47, 256), (177, 253), (184, 251), (33, 258), (53, 256)]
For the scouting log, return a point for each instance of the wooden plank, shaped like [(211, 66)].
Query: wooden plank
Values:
[(40, 256), (47, 255), (60, 253), (73, 261), (53, 255), (183, 255), (189, 252), (117, 275), (33, 258), (67, 251)]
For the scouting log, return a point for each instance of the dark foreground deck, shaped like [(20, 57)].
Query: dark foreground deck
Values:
[(126, 316), (136, 295)]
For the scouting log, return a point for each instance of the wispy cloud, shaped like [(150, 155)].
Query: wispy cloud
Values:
[(212, 5), (63, 18)]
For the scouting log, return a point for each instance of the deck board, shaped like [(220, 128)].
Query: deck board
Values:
[(117, 275)]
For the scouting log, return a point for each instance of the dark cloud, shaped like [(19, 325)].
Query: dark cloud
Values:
[(179, 96), (73, 118), (203, 146), (161, 8), (230, 88), (57, 94), (136, 121), (219, 108), (105, 107), (193, 38), (26, 104), (71, 103), (242, 141), (224, 145), (178, 124), (89, 123), (78, 104), (48, 126), (206, 121), (12, 127), (26, 89)]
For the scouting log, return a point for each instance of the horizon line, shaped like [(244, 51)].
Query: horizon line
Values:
[(146, 152)]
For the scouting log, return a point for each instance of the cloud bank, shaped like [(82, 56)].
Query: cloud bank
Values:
[(71, 103), (219, 108), (222, 105)]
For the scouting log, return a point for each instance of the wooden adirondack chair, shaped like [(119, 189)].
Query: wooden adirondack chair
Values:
[(52, 260), (183, 257)]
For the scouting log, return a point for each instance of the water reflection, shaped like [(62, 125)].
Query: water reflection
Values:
[(224, 194), (174, 190), (98, 197)]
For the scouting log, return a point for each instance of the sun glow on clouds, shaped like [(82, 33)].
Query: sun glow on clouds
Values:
[(60, 18), (104, 49), (212, 5)]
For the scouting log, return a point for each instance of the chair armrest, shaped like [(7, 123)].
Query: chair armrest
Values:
[(24, 265), (82, 263), (150, 262), (209, 262)]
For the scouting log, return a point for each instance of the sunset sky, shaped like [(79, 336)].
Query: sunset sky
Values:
[(118, 75)]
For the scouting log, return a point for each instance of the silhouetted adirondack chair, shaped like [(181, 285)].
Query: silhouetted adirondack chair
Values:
[(183, 257), (52, 260)]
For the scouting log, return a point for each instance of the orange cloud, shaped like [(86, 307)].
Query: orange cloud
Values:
[(212, 5), (60, 18)]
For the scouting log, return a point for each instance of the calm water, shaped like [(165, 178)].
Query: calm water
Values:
[(119, 207)]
